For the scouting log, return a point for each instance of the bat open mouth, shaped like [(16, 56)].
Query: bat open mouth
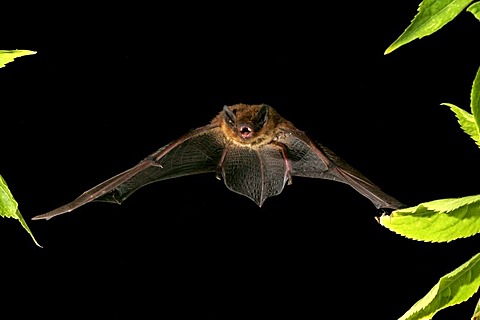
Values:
[(246, 132)]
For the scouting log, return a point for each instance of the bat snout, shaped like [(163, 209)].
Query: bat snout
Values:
[(245, 131)]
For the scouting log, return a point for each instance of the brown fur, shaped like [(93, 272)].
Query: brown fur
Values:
[(246, 113)]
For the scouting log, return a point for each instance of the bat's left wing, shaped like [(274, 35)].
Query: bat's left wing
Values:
[(313, 160), (198, 151)]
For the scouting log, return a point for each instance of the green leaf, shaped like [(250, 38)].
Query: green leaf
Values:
[(441, 220), (453, 288), (467, 122), (9, 207), (432, 15), (470, 123), (475, 99), (476, 313), (7, 56), (475, 10)]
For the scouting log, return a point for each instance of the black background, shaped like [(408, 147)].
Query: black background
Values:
[(110, 85)]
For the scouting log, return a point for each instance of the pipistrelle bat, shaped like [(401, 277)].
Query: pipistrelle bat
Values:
[(251, 147)]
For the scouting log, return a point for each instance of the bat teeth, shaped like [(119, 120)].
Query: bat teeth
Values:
[(245, 131)]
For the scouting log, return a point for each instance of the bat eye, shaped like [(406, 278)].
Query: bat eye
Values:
[(246, 132)]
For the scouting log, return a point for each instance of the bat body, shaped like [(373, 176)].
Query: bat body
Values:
[(253, 149)]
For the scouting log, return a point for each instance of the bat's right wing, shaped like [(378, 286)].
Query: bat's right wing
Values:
[(199, 151)]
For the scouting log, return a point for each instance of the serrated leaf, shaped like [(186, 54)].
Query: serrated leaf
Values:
[(9, 207), (7, 56), (441, 220), (466, 121), (475, 99), (432, 15), (453, 288), (475, 10)]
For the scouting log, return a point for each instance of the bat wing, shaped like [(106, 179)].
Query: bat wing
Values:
[(309, 159), (199, 151), (257, 173)]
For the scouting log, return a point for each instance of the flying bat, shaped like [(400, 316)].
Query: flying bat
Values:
[(252, 148)]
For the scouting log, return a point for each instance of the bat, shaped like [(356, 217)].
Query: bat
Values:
[(252, 148)]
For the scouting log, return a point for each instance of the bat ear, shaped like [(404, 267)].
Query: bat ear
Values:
[(262, 115), (229, 115)]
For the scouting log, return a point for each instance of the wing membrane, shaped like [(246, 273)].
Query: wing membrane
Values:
[(255, 173), (308, 159), (196, 152)]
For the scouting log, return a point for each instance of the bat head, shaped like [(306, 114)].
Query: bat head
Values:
[(248, 124)]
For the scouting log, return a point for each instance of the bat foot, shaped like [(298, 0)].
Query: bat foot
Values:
[(388, 211)]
